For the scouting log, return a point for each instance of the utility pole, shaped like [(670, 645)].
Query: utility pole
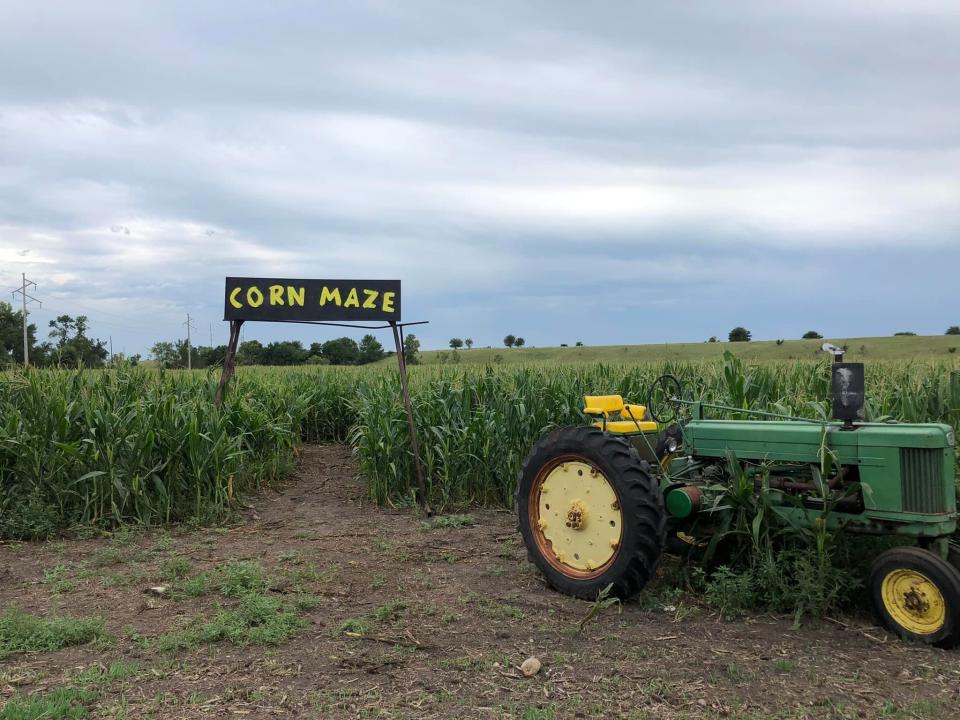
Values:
[(211, 334), (26, 298), (189, 324), (111, 350)]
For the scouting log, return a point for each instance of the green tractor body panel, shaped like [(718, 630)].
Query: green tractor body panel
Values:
[(905, 471)]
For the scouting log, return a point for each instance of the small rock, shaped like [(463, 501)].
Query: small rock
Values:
[(158, 590), (531, 666)]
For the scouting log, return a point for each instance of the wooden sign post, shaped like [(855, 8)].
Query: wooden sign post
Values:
[(339, 303)]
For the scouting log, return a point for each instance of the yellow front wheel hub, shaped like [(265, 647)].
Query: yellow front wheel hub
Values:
[(914, 601), (579, 522)]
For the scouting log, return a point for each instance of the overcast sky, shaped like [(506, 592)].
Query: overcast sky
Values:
[(606, 172)]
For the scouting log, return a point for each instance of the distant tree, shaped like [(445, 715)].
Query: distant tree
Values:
[(713, 338), (370, 349), (519, 342), (285, 352), (780, 342), (411, 350), (897, 334), (212, 356), (953, 330), (11, 337), (251, 352), (456, 343), (165, 354), (739, 334), (564, 345), (342, 351), (509, 340), (181, 349), (812, 335), (468, 342), (72, 347), (315, 349), (579, 343)]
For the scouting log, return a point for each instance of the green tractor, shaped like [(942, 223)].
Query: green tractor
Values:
[(598, 504)]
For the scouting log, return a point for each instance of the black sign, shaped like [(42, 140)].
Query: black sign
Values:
[(279, 300), (848, 391)]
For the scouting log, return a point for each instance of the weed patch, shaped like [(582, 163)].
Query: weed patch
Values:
[(448, 521), (54, 705), (20, 632), (353, 626), (256, 620), (57, 580), (104, 674), (389, 612), (238, 577), (175, 568)]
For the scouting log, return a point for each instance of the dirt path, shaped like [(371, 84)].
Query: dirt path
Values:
[(405, 621)]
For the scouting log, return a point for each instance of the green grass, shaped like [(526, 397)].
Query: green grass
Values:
[(195, 587), (175, 568), (56, 578), (353, 626), (21, 632), (389, 612), (448, 521), (868, 349), (250, 615), (255, 620), (105, 674), (240, 577), (54, 705)]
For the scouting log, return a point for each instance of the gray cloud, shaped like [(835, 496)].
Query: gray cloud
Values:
[(546, 163)]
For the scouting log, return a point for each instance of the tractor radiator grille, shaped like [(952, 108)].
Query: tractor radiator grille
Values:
[(921, 472)]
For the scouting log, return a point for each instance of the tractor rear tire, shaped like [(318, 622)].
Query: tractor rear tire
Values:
[(916, 595), (624, 517)]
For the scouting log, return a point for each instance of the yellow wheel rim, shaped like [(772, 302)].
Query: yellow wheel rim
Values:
[(576, 517), (913, 601)]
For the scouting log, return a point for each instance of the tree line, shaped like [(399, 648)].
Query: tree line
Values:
[(68, 344), (339, 351)]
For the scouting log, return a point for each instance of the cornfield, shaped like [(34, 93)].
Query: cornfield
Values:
[(140, 446)]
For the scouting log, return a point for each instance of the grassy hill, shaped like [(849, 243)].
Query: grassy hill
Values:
[(925, 347)]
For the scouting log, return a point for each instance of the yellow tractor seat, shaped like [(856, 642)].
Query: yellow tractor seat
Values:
[(615, 416), (627, 426), (633, 412), (602, 404)]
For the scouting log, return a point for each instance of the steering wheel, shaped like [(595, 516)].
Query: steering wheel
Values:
[(664, 399)]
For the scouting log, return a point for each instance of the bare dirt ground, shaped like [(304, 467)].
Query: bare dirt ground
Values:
[(407, 621)]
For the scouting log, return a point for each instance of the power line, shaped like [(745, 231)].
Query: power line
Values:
[(190, 325), (26, 299)]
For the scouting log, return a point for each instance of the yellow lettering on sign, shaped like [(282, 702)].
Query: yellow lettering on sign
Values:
[(352, 299), (295, 295), (276, 294), (388, 301), (371, 302), (254, 296), (233, 298), (330, 296)]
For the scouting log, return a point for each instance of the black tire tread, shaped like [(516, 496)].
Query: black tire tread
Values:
[(641, 505)]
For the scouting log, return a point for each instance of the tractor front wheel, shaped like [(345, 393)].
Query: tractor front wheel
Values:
[(916, 595), (590, 513)]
